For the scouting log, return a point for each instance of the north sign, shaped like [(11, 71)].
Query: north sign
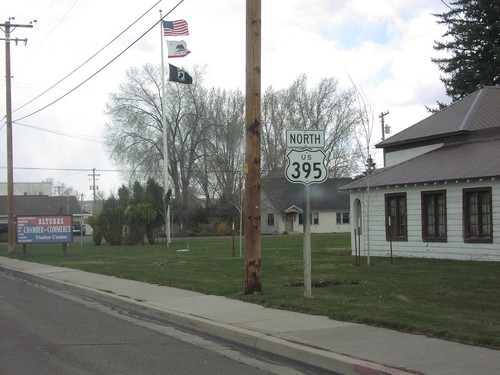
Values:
[(305, 138), (306, 167)]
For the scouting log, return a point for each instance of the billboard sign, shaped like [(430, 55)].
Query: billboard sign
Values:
[(44, 229)]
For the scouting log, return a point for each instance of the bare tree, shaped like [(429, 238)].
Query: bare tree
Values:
[(226, 142), (133, 136), (204, 135), (324, 107), (364, 143), (274, 124), (60, 189), (188, 131)]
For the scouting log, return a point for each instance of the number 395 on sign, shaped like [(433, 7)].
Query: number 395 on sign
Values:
[(306, 167)]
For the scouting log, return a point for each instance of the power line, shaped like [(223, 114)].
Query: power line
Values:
[(67, 169), (447, 5), (88, 60), (99, 70), (50, 33), (84, 137)]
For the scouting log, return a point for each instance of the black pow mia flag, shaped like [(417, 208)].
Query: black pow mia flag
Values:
[(179, 75)]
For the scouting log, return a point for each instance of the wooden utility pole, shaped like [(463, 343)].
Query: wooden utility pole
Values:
[(10, 164), (252, 154), (94, 187), (382, 122)]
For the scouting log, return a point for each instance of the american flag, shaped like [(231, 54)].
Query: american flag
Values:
[(174, 28)]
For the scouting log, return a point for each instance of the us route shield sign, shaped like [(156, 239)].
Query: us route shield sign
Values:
[(306, 166)]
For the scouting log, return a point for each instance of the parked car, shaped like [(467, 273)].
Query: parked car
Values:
[(78, 229)]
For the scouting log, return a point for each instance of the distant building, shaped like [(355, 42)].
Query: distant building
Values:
[(28, 188), (25, 205), (282, 205)]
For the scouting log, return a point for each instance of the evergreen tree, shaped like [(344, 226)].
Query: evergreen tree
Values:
[(473, 41)]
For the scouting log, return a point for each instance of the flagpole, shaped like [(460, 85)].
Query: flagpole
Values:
[(165, 145)]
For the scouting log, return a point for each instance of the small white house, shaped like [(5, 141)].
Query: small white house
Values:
[(282, 204), (439, 195)]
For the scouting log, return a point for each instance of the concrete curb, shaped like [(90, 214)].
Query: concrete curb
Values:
[(258, 342)]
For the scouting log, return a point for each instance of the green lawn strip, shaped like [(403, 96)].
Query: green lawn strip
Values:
[(454, 300)]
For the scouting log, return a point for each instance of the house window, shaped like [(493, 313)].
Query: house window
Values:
[(434, 216), (314, 218), (270, 220), (395, 217), (477, 215), (342, 218)]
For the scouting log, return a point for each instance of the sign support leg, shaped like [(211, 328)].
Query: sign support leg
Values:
[(307, 242)]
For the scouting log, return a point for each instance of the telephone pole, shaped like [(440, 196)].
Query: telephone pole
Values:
[(252, 150), (94, 187), (6, 28), (382, 123)]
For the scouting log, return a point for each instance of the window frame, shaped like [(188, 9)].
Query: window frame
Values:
[(314, 218), (270, 219), (401, 228), (313, 215), (425, 197), (466, 215), (340, 217)]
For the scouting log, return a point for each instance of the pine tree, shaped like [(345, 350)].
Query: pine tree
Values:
[(473, 43)]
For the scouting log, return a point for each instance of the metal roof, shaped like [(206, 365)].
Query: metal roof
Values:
[(480, 110), (475, 155), (41, 205), (455, 162)]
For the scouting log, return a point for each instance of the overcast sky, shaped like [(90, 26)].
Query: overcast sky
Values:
[(384, 46)]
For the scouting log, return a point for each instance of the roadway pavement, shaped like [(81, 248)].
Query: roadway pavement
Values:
[(341, 347)]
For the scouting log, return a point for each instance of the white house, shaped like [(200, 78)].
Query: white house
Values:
[(439, 195), (282, 205)]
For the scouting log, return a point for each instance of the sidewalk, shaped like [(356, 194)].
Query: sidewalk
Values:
[(346, 348)]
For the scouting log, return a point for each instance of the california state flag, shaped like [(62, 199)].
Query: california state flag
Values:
[(177, 49)]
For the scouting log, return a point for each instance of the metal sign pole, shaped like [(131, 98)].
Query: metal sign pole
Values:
[(307, 242)]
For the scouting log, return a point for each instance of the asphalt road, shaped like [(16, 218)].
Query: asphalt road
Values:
[(49, 331)]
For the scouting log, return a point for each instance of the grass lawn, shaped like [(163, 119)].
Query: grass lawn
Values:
[(454, 300)]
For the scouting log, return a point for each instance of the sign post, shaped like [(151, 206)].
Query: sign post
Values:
[(306, 165)]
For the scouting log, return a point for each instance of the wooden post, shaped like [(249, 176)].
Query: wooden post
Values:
[(8, 116), (232, 248), (10, 179), (252, 152)]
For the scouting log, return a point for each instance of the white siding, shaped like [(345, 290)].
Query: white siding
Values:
[(454, 248), (396, 157), (327, 224)]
